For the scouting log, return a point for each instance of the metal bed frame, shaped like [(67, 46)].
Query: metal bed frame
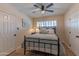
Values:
[(39, 42)]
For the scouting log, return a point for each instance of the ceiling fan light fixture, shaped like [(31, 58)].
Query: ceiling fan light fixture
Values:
[(38, 9), (43, 12)]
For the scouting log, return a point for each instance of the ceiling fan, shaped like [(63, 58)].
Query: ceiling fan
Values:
[(42, 7)]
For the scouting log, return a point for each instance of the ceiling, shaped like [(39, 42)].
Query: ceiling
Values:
[(26, 8)]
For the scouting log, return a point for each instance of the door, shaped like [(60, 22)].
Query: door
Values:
[(74, 33), (8, 29)]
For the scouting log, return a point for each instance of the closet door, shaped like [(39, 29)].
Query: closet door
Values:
[(11, 31), (74, 33), (8, 29)]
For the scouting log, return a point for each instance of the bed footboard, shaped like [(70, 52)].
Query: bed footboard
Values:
[(37, 42)]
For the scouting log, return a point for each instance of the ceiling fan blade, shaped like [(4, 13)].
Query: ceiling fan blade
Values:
[(49, 10), (36, 6), (49, 5)]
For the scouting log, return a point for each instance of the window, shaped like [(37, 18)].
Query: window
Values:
[(51, 23)]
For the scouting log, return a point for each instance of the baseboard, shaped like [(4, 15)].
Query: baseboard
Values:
[(14, 50), (10, 53), (7, 52), (68, 49)]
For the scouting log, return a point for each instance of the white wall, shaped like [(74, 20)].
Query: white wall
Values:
[(24, 31), (72, 25)]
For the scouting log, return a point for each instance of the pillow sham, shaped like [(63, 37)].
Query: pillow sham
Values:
[(51, 31)]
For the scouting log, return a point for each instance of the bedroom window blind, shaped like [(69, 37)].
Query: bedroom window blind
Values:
[(51, 23)]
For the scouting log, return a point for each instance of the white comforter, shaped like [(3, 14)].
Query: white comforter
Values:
[(44, 36)]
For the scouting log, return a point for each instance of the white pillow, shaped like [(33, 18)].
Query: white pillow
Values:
[(51, 31), (43, 30)]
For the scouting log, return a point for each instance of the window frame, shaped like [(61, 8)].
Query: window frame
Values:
[(47, 23)]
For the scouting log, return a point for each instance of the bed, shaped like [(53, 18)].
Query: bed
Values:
[(47, 43)]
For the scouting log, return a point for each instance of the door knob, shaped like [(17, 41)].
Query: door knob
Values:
[(69, 32), (14, 34)]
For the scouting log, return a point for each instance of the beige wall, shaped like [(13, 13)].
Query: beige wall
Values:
[(60, 23)]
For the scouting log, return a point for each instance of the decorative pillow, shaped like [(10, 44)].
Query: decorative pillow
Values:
[(51, 31), (43, 31)]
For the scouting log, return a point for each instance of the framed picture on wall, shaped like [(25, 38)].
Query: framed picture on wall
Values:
[(23, 23)]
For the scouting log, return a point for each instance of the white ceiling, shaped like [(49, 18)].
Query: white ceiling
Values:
[(26, 8)]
